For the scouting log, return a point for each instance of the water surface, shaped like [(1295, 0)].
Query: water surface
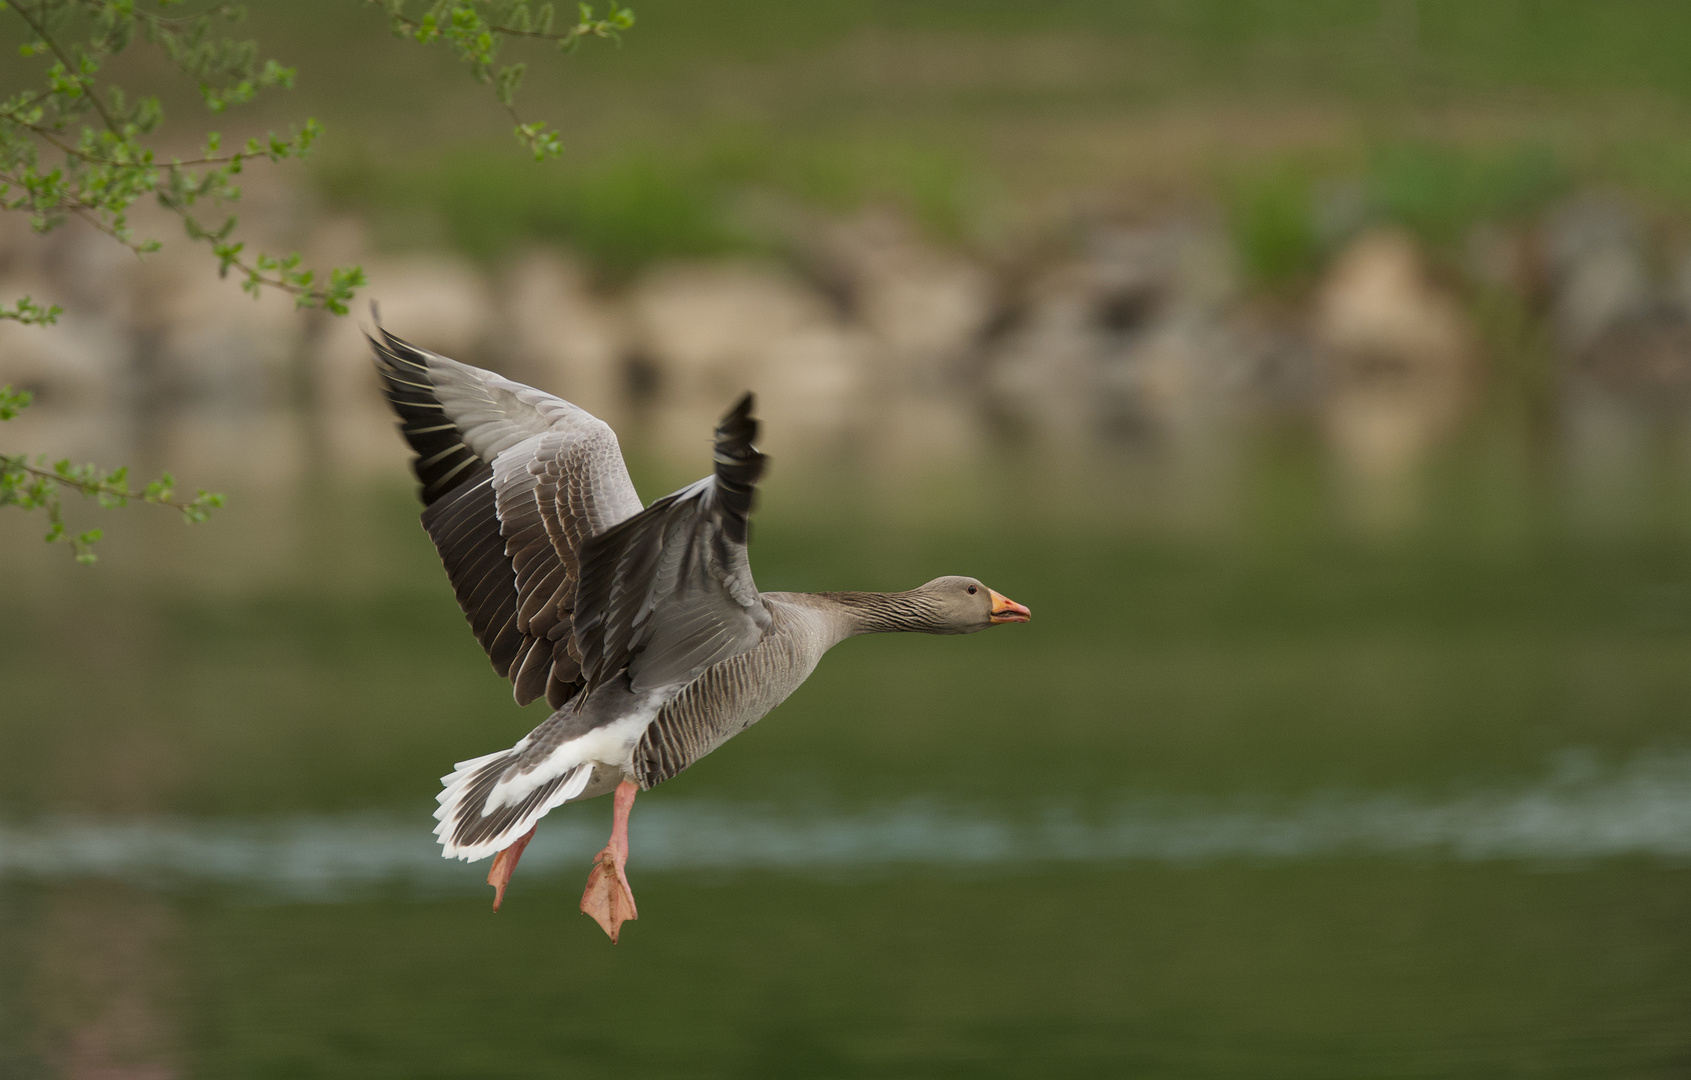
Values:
[(1261, 791)]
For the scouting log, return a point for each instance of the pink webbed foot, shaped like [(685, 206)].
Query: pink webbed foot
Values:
[(608, 899), (504, 864)]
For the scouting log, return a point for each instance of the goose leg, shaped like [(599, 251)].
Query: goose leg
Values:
[(608, 898), (504, 864)]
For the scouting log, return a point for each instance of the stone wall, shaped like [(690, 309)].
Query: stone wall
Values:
[(865, 336)]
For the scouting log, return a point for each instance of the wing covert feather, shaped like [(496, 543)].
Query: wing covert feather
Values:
[(669, 592), (513, 481)]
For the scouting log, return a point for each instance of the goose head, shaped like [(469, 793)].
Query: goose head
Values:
[(962, 605)]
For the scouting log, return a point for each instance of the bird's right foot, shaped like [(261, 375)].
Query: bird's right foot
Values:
[(608, 898)]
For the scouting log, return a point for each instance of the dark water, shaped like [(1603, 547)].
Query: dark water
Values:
[(1261, 792)]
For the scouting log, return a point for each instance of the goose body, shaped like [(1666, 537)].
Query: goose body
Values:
[(641, 625)]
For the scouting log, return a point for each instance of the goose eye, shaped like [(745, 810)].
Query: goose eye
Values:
[(973, 590)]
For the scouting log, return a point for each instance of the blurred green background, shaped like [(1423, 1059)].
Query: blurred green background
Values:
[(972, 116), (1350, 737)]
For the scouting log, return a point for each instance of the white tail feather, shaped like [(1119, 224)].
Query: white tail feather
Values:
[(608, 745), (453, 807)]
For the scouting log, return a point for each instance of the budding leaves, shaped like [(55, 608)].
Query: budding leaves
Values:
[(36, 485), (74, 144), (474, 31), (29, 313)]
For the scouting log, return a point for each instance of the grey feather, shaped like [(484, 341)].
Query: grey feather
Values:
[(643, 627), (735, 693), (669, 592), (514, 482)]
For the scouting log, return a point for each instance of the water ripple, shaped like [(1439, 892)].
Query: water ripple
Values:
[(1580, 812)]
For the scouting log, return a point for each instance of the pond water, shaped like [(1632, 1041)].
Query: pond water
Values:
[(1266, 789)]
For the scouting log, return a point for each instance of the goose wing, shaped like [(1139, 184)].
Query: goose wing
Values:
[(514, 483), (668, 592)]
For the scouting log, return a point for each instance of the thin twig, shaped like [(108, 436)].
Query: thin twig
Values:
[(19, 463), (73, 69), (87, 211), (90, 213), (169, 21), (46, 135), (579, 30), (288, 287)]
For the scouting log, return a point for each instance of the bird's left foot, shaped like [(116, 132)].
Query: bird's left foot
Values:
[(504, 864)]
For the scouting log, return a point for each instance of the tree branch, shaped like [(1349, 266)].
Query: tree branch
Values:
[(603, 28), (90, 212), (37, 487), (160, 493), (71, 68)]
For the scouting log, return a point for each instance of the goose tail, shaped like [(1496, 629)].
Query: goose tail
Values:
[(490, 802)]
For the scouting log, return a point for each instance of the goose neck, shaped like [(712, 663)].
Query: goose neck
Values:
[(882, 613)]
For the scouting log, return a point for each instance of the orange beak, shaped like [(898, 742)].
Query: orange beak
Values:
[(1005, 609)]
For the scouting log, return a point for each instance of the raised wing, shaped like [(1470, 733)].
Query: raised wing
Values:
[(668, 592), (514, 482)]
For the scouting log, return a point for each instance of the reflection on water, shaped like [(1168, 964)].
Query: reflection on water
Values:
[(1579, 813), (106, 993)]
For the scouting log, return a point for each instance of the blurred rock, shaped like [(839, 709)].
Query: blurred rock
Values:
[(1606, 446), (1506, 259), (1399, 354), (441, 302), (1621, 329), (1645, 359), (201, 340), (556, 334), (153, 332), (926, 307), (1042, 375), (1600, 277), (709, 327), (1127, 340), (80, 361), (711, 331), (873, 338), (442, 299), (85, 359)]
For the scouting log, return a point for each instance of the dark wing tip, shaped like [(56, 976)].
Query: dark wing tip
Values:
[(741, 412), (736, 431), (739, 466), (442, 460)]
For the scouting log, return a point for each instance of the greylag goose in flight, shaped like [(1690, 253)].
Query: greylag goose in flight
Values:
[(640, 625)]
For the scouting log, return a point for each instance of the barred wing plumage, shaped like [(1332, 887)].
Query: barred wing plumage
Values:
[(514, 482), (669, 592)]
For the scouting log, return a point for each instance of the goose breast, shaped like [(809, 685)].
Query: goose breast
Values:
[(731, 696)]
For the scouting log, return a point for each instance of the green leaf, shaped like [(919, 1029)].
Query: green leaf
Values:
[(12, 402), (29, 313)]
